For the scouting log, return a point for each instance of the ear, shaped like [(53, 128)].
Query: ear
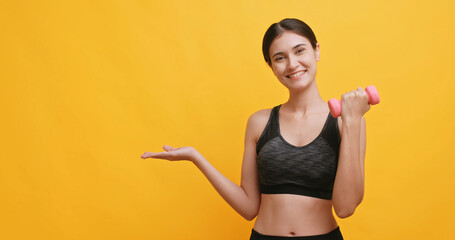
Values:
[(317, 51)]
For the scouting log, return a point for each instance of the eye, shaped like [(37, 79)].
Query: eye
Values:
[(278, 59), (300, 50)]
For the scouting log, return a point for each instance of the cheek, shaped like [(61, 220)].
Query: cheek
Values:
[(309, 57), (276, 69), (310, 60)]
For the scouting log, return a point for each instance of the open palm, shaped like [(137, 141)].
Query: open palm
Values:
[(172, 154)]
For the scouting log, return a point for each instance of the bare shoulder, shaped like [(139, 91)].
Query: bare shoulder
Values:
[(257, 122)]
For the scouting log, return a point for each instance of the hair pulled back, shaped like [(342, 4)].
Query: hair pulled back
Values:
[(288, 24)]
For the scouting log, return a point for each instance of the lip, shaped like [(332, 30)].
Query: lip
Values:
[(288, 76)]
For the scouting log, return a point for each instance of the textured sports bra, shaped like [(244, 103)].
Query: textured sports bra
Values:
[(308, 170)]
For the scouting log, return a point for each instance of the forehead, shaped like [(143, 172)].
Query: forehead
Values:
[(286, 41)]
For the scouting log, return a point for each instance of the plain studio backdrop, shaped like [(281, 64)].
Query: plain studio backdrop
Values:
[(89, 86)]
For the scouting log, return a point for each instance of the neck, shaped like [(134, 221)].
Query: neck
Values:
[(306, 101)]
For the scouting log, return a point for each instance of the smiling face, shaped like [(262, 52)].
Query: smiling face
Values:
[(293, 60)]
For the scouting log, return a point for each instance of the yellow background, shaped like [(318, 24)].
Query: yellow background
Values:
[(88, 86)]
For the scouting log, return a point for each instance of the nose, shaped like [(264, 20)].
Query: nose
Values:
[(292, 62)]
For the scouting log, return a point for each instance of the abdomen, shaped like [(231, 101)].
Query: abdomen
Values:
[(294, 215)]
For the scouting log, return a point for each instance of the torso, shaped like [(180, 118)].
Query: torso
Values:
[(294, 215), (290, 214)]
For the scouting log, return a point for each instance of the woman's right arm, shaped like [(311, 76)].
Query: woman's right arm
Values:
[(245, 199)]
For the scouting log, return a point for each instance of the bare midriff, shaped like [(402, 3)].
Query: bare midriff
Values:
[(294, 215)]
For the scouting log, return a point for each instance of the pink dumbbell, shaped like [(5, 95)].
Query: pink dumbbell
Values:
[(335, 105)]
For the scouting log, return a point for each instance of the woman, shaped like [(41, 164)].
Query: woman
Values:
[(298, 160)]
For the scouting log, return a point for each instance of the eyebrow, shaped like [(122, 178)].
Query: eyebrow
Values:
[(296, 46)]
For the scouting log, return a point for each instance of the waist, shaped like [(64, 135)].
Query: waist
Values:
[(288, 214)]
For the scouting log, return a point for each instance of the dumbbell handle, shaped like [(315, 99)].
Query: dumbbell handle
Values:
[(335, 105)]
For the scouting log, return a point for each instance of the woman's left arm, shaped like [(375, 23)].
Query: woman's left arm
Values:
[(348, 189)]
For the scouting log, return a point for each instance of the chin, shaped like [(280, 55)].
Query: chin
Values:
[(300, 85)]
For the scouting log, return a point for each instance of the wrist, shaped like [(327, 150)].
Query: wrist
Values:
[(351, 120), (195, 157)]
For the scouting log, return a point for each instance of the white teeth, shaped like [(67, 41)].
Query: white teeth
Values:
[(297, 74)]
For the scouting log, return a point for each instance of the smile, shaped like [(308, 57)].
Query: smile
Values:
[(297, 74)]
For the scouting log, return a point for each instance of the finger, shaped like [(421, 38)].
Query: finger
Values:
[(145, 155), (344, 96), (361, 90), (168, 148), (363, 94), (348, 94), (161, 155)]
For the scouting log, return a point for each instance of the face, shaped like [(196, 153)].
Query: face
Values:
[(293, 60)]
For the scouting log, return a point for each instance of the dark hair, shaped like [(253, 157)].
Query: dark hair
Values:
[(287, 24)]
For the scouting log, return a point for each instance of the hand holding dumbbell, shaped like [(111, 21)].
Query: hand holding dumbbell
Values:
[(335, 105)]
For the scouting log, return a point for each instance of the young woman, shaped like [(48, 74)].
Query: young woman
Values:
[(298, 160)]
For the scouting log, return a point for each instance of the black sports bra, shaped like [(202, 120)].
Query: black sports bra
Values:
[(308, 170)]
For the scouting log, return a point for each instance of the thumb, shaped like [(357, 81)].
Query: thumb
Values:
[(168, 148)]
